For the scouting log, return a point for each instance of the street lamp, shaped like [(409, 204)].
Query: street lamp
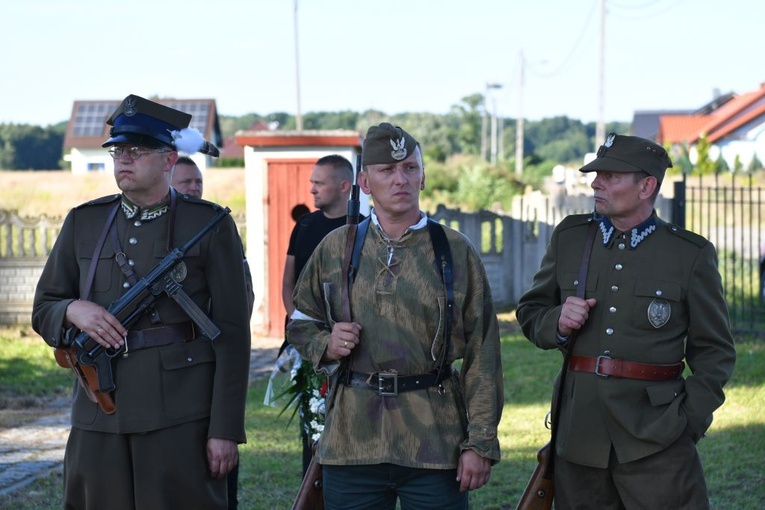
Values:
[(490, 86), (519, 134)]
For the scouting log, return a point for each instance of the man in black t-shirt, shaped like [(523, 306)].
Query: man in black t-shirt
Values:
[(331, 182)]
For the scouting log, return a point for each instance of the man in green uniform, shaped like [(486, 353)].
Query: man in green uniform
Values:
[(629, 420), (179, 396), (401, 424)]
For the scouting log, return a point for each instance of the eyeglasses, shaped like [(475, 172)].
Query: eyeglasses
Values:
[(132, 152)]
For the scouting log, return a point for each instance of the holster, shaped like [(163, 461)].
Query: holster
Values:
[(86, 376)]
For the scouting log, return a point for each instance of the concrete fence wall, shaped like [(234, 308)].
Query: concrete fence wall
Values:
[(511, 247), (18, 279)]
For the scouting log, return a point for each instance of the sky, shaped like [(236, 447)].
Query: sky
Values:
[(544, 56)]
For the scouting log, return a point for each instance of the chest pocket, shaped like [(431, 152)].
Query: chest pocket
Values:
[(656, 302), (569, 281), (104, 279)]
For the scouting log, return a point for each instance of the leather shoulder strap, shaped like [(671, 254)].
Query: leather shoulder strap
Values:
[(581, 287), (444, 263), (358, 244), (98, 248)]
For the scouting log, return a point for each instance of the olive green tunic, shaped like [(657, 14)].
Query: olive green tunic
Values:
[(163, 386), (399, 300), (659, 300)]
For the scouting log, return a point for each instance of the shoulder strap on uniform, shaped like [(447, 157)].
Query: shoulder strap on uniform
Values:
[(358, 244), (444, 263)]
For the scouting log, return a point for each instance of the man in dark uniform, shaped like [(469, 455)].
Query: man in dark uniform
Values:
[(179, 396), (629, 420)]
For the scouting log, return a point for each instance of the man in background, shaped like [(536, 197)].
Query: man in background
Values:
[(186, 177), (331, 181)]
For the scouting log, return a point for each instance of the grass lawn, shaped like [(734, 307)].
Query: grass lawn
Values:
[(732, 452)]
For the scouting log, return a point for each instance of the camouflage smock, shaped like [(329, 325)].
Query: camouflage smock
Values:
[(400, 306)]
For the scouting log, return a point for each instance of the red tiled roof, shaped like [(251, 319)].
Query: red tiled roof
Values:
[(730, 116), (680, 128)]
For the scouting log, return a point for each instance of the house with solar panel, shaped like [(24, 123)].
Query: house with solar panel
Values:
[(87, 130)]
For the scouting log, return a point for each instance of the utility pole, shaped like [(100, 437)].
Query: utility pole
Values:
[(493, 130), (299, 116), (600, 129), (519, 137)]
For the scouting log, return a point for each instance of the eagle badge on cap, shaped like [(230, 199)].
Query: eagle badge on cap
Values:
[(659, 312), (399, 151), (130, 109)]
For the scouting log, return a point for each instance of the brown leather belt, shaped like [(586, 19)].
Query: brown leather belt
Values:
[(387, 384), (606, 366), (160, 336)]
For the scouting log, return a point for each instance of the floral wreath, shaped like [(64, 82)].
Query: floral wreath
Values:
[(306, 390)]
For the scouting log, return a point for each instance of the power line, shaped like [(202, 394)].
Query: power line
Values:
[(664, 8), (574, 48)]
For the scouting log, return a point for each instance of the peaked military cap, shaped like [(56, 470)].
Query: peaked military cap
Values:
[(145, 123), (149, 124), (621, 153), (387, 143)]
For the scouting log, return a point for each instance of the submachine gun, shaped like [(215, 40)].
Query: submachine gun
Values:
[(92, 362)]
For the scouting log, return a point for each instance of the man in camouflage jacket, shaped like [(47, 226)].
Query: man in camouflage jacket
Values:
[(430, 445)]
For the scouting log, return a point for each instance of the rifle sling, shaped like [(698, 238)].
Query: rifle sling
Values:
[(443, 261), (580, 292)]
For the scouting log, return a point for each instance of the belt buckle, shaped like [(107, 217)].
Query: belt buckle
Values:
[(597, 365), (381, 378)]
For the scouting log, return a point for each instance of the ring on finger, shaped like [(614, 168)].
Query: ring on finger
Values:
[(345, 343), (100, 331)]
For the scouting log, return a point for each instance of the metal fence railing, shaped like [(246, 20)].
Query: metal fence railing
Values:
[(729, 214)]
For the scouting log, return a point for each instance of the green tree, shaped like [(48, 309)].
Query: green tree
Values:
[(755, 164), (467, 116), (27, 147), (704, 164)]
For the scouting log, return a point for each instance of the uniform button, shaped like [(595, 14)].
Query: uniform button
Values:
[(658, 292), (131, 262), (612, 309), (576, 282), (609, 331), (133, 240), (618, 267), (137, 223), (614, 288), (189, 359), (126, 285), (622, 246)]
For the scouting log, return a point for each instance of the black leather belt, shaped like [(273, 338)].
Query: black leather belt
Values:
[(160, 336), (388, 384)]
